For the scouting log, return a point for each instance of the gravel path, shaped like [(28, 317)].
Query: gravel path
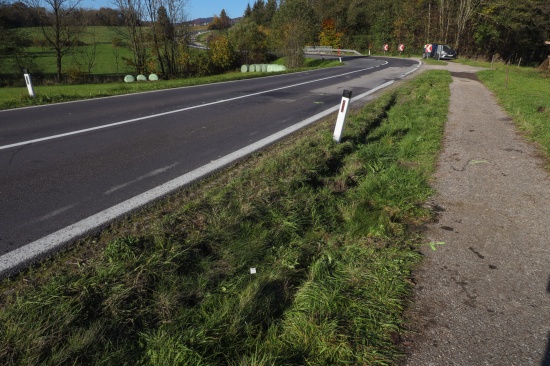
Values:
[(483, 297)]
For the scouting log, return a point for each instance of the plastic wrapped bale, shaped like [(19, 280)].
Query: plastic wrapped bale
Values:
[(263, 67), (141, 78), (129, 79), (153, 77), (276, 68), (245, 68), (254, 68)]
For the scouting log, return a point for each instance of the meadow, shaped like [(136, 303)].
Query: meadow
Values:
[(45, 61)]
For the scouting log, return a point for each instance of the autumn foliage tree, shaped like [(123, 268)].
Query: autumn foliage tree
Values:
[(329, 36), (221, 52)]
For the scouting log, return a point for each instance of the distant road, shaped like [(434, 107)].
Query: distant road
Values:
[(64, 163)]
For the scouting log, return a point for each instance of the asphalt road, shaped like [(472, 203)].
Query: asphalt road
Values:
[(63, 163)]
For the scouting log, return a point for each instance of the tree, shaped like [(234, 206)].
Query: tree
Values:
[(269, 12), (465, 11), (294, 26), (513, 29), (60, 26), (328, 35), (12, 46), (220, 23), (166, 39), (116, 44), (247, 11), (249, 41), (258, 11), (132, 11), (106, 17), (220, 52), (17, 15), (153, 11), (169, 33), (85, 55)]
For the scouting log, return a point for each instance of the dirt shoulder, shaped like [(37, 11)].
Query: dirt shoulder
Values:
[(483, 296)]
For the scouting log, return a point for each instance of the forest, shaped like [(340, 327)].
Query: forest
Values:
[(156, 35)]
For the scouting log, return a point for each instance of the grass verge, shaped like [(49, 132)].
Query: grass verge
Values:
[(432, 61), (524, 94), (329, 228), (19, 97)]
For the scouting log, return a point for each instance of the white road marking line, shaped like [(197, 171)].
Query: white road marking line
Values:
[(176, 111), (27, 253), (55, 213), (163, 90), (148, 175)]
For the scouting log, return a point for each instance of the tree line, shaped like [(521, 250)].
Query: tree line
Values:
[(508, 30), (158, 36)]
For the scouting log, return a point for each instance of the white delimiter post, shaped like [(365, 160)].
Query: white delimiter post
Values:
[(342, 116), (29, 82)]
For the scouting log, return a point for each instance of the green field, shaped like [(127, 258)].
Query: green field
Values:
[(105, 59)]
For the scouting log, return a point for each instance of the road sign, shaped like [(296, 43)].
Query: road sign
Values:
[(386, 47), (401, 47), (428, 48)]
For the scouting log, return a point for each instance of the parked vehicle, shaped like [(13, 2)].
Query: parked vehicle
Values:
[(439, 52)]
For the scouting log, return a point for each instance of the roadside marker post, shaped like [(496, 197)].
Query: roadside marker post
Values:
[(343, 111), (28, 81)]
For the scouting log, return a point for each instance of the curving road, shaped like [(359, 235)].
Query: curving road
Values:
[(69, 168)]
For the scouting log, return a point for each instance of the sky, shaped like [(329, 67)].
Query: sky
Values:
[(196, 8)]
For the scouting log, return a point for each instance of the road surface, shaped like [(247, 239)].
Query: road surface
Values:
[(64, 163)]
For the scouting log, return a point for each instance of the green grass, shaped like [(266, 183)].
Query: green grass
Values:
[(46, 94), (524, 94), (431, 61), (330, 229), (19, 97), (45, 60), (476, 63)]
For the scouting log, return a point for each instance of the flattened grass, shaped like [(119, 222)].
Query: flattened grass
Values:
[(328, 227)]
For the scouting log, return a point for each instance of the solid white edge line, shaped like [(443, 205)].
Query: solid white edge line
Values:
[(413, 70), (10, 261)]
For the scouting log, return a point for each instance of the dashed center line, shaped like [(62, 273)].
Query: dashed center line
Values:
[(148, 175)]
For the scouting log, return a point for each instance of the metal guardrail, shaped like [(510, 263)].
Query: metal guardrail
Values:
[(328, 49)]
